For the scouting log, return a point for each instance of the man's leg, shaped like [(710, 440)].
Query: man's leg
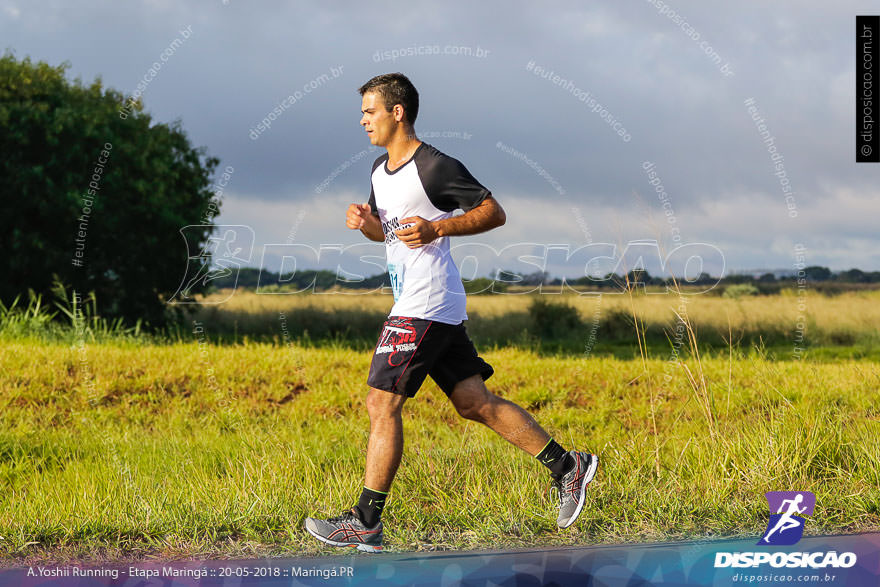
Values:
[(361, 527), (473, 401), (406, 349), (384, 451), (572, 471), (385, 447)]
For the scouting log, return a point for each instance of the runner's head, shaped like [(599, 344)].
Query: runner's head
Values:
[(390, 106)]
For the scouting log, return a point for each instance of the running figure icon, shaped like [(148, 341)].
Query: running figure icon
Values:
[(786, 522), (788, 510)]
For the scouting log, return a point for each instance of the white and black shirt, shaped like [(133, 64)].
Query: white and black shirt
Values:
[(425, 280)]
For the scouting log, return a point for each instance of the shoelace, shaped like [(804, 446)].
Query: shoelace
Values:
[(557, 485), (344, 517)]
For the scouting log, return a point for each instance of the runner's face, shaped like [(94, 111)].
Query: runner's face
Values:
[(378, 122)]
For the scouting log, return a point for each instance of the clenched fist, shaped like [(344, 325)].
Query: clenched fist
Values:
[(357, 215)]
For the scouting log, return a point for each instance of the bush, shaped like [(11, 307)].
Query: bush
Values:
[(617, 324), (739, 290), (552, 320), (483, 285)]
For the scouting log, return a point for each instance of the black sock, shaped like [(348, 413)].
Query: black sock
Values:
[(370, 506), (555, 458)]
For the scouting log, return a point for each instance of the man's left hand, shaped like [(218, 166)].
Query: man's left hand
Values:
[(419, 234)]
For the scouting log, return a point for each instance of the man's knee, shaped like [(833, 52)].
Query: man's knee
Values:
[(473, 401), (383, 404), (474, 411)]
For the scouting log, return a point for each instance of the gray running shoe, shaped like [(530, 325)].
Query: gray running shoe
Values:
[(346, 530), (572, 486)]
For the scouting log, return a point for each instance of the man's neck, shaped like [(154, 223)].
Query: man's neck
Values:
[(402, 148)]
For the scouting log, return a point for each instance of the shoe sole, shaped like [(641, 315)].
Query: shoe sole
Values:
[(371, 548), (588, 476)]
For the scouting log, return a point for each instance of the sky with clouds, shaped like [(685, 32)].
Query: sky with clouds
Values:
[(557, 107)]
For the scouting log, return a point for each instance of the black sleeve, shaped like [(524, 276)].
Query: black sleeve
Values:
[(448, 183), (372, 201)]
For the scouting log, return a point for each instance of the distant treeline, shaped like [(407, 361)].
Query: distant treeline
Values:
[(820, 278)]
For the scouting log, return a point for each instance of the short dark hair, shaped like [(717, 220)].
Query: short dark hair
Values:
[(395, 88)]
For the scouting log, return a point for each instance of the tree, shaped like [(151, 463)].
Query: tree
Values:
[(93, 196), (637, 276), (853, 276), (509, 277), (535, 278), (817, 273)]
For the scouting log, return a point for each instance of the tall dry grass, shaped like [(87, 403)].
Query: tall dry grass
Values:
[(782, 320)]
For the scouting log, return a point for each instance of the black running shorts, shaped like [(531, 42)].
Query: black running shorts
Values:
[(409, 349)]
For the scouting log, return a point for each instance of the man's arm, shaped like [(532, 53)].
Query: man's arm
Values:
[(360, 217), (487, 215)]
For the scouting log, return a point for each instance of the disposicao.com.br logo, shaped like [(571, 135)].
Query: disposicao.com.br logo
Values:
[(785, 528)]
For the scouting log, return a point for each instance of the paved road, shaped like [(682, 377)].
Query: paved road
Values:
[(679, 564)]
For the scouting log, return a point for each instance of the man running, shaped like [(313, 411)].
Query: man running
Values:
[(415, 190)]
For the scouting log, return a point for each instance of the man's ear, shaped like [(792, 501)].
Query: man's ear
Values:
[(398, 113)]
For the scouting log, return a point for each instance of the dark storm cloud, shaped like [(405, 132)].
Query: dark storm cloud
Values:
[(642, 65)]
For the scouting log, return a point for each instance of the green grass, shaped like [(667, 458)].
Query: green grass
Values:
[(130, 450)]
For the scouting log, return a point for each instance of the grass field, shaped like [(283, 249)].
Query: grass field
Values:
[(840, 326), (127, 448)]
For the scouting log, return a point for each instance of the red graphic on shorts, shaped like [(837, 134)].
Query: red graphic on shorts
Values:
[(398, 337)]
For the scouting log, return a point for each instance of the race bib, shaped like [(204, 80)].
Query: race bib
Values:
[(395, 273)]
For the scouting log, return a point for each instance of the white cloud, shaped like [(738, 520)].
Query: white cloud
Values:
[(10, 10)]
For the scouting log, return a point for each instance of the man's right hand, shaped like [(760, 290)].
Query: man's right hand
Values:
[(360, 216), (357, 216)]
